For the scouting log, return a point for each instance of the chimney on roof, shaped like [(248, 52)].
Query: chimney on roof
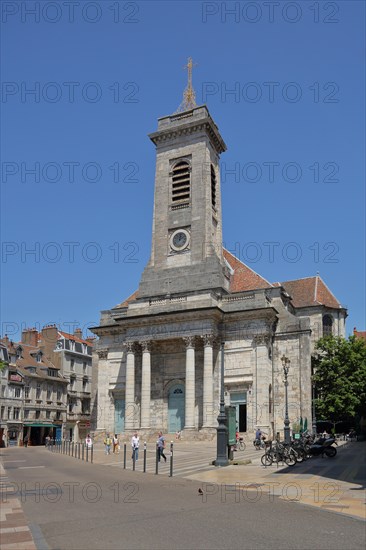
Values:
[(78, 333), (49, 336), (30, 337)]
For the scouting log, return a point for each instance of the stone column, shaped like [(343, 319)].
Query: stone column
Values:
[(146, 385), (190, 384), (130, 387), (102, 420), (208, 340)]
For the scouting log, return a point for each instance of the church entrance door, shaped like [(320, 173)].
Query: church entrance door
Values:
[(239, 401), (176, 408), (119, 416)]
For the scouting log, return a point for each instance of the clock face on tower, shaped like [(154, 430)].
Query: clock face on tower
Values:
[(179, 240)]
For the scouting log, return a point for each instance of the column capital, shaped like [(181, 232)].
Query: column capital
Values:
[(208, 340), (130, 347), (102, 353), (145, 345), (189, 341), (262, 340)]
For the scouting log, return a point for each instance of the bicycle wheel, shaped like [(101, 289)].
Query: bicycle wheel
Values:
[(290, 459), (267, 459), (241, 446), (300, 455)]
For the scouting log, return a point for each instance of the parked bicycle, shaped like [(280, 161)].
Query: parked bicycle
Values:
[(279, 452)]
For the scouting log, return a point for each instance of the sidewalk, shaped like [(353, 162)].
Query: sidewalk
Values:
[(14, 529), (336, 485)]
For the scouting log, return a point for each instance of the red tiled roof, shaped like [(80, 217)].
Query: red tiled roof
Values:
[(75, 338), (243, 277), (27, 359), (310, 291), (131, 298), (359, 334)]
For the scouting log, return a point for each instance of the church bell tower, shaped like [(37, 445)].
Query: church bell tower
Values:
[(186, 254)]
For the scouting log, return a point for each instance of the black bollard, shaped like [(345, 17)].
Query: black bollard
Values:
[(124, 455), (87, 454), (144, 457), (82, 451), (171, 459), (133, 460), (69, 447), (91, 453), (72, 450)]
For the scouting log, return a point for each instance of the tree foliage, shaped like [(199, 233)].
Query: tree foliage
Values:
[(339, 368)]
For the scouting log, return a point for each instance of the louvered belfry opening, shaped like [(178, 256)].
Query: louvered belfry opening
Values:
[(213, 186), (181, 180)]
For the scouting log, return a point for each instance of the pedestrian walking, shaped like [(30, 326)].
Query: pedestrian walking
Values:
[(107, 444), (25, 441), (115, 444), (135, 444), (161, 446), (88, 441)]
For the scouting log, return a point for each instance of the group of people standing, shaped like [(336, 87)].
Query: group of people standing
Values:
[(135, 444)]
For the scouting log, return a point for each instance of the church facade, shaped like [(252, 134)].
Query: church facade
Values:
[(159, 361)]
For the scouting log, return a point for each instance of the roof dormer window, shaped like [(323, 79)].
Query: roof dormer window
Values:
[(19, 352)]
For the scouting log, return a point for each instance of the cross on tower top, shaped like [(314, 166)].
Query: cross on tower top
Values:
[(189, 95)]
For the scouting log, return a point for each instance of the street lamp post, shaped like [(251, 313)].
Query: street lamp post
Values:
[(221, 452), (314, 428), (286, 366)]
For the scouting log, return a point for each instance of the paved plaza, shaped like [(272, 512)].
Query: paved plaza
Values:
[(336, 486)]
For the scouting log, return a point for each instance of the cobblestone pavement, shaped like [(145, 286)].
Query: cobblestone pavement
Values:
[(336, 485)]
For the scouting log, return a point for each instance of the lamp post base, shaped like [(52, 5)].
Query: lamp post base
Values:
[(286, 433)]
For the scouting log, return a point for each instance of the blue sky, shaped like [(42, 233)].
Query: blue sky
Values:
[(284, 81)]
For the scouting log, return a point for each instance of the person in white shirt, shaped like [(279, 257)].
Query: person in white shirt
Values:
[(135, 444), (88, 441)]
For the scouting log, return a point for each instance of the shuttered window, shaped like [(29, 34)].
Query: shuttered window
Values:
[(181, 183)]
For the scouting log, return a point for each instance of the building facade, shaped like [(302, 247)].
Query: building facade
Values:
[(35, 396), (159, 361), (46, 386), (72, 354)]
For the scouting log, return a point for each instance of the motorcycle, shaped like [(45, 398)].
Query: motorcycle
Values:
[(324, 446)]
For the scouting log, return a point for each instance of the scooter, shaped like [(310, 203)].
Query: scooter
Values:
[(324, 446)]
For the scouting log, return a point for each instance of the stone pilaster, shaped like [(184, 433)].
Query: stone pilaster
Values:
[(190, 384), (130, 405), (102, 416), (146, 385), (208, 341), (263, 379)]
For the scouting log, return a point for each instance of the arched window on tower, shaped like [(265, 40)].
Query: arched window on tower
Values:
[(213, 186), (181, 183), (327, 325)]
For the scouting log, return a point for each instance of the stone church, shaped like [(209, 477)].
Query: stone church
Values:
[(159, 360)]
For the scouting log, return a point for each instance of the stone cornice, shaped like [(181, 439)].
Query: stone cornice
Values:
[(205, 124)]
